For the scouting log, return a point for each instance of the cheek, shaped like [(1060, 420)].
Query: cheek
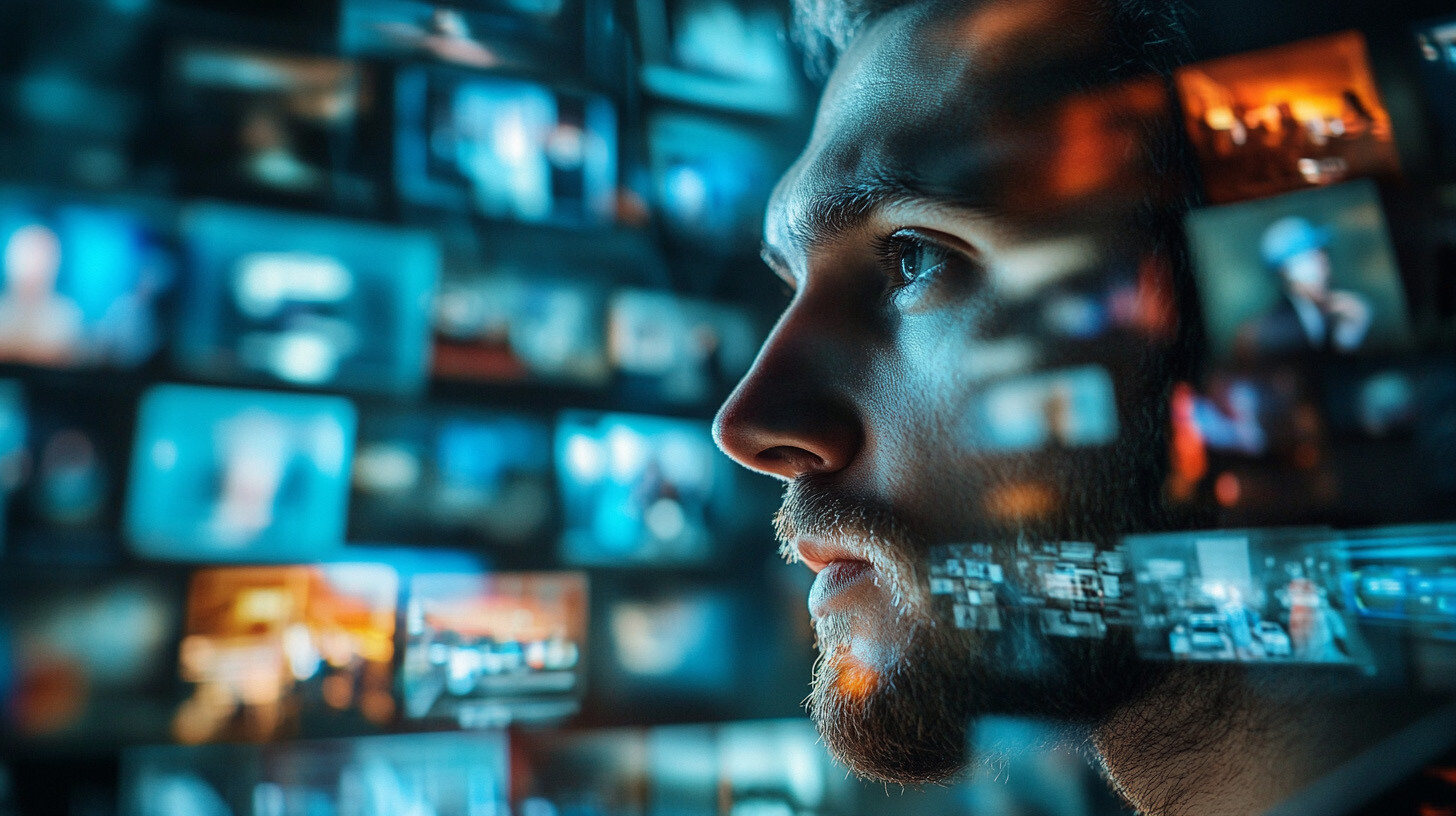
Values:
[(922, 391)]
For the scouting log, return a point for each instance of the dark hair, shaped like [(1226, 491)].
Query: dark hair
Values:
[(1148, 35)]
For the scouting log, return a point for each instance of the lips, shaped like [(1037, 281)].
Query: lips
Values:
[(838, 572), (835, 583)]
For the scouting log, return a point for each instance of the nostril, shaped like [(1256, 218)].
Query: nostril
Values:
[(791, 460)]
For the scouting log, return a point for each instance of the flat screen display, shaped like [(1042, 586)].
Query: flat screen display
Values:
[(505, 148), (305, 301), (225, 475)]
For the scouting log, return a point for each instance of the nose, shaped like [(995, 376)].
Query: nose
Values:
[(793, 415)]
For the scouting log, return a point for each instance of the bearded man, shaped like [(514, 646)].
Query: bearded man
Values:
[(971, 163)]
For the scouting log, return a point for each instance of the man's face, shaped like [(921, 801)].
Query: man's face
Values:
[(946, 202)]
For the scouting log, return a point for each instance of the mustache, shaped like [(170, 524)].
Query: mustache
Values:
[(871, 529)]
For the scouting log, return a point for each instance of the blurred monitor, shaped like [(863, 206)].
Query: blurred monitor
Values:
[(1070, 408), (1248, 597), (83, 285), (239, 475), (673, 645), (641, 490), (75, 91), (278, 126), (1436, 45), (89, 656), (1307, 273), (674, 349), (1256, 445), (272, 652), (505, 148), (481, 35), (486, 650), (280, 297), (731, 54), (452, 477), (712, 177), (1306, 114), (385, 775), (514, 325), (65, 480)]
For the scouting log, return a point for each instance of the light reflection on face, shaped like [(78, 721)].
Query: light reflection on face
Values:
[(942, 201)]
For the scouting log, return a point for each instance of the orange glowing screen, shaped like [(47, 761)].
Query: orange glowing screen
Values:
[(261, 639), (1301, 115)]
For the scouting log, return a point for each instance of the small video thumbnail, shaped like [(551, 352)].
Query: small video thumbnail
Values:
[(419, 774), (1300, 115), (465, 478), (63, 461), (710, 53), (87, 658), (505, 148), (1436, 46), (1307, 273), (510, 36), (712, 177), (1069, 589), (640, 490), (311, 302), (513, 326), (1405, 577), (1244, 596), (83, 286), (1070, 408), (278, 127), (225, 475), (668, 348), (271, 652), (487, 650)]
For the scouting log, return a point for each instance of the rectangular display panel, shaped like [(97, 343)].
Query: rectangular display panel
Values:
[(82, 285), (306, 301), (1300, 115), (641, 490), (505, 148), (226, 475), (486, 650)]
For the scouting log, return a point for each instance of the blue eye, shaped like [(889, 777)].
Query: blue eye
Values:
[(910, 258), (918, 258)]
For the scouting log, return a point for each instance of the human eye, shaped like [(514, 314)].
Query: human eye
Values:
[(913, 259)]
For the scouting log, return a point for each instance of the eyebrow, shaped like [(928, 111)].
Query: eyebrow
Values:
[(831, 214)]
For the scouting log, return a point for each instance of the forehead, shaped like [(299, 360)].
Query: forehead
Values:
[(928, 101)]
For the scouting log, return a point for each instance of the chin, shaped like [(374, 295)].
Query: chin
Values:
[(891, 711), (895, 702)]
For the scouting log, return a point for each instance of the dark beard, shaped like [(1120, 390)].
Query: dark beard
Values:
[(911, 728)]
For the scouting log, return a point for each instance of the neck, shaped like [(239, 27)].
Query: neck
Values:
[(1226, 741)]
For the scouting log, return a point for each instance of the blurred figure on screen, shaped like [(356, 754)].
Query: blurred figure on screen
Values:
[(1310, 315), (38, 325)]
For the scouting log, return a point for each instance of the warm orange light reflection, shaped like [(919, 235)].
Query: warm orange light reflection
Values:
[(852, 678), (1022, 501)]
